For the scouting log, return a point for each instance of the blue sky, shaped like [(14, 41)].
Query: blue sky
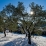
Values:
[(26, 3)]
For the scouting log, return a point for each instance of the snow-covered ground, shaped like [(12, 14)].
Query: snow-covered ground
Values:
[(20, 40)]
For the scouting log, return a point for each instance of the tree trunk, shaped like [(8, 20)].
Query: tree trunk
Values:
[(29, 37), (4, 32)]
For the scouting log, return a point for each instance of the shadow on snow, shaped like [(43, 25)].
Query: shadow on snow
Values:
[(19, 42)]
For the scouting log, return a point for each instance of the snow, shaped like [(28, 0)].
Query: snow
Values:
[(13, 39)]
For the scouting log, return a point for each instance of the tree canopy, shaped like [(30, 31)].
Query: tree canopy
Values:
[(11, 14)]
